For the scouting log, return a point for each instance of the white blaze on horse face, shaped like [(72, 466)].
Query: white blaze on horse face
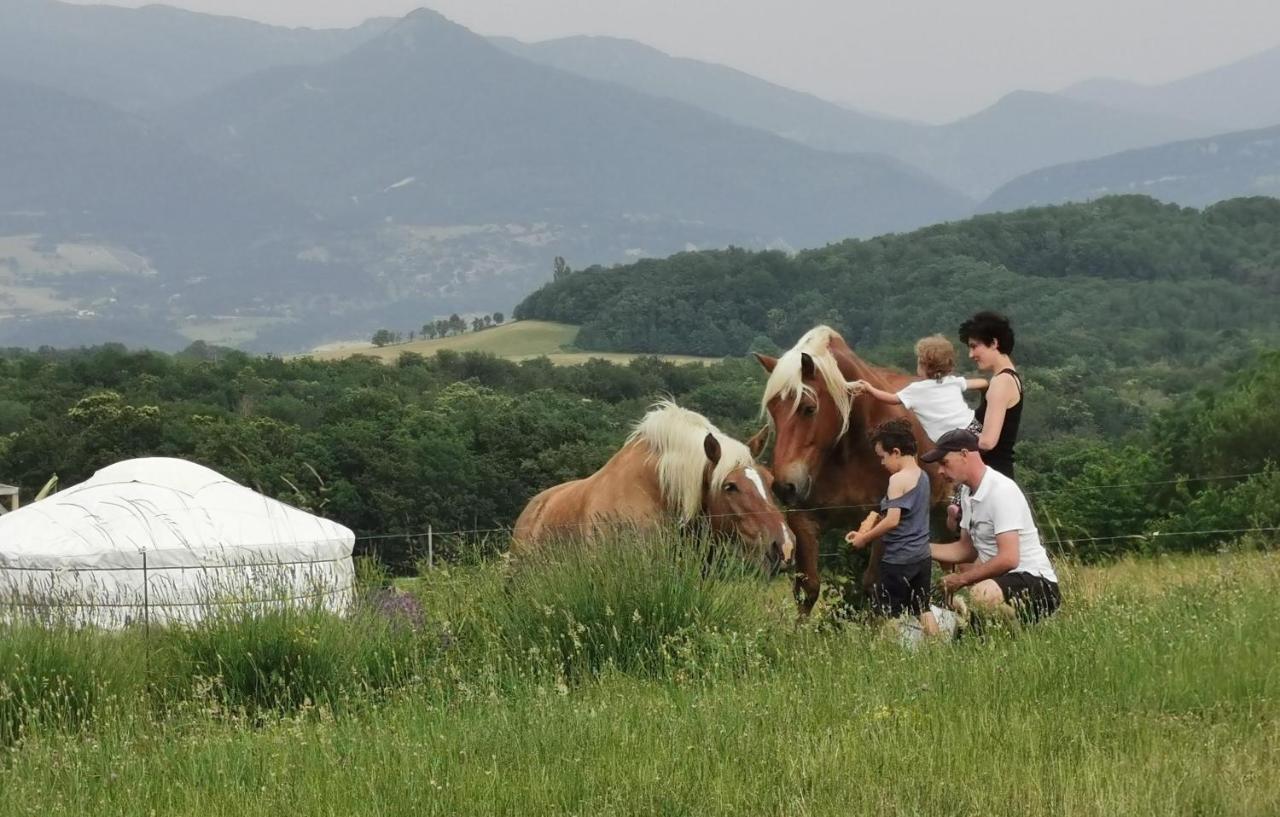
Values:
[(754, 476)]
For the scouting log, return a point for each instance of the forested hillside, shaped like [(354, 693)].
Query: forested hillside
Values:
[(1119, 281)]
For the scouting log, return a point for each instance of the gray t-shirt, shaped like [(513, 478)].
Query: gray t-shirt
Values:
[(909, 542)]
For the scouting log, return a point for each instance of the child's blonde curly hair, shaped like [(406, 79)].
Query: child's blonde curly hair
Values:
[(937, 356)]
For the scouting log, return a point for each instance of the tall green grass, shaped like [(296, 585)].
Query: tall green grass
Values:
[(645, 605), (1156, 690)]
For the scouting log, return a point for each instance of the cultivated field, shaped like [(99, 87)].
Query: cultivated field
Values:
[(637, 687), (519, 340)]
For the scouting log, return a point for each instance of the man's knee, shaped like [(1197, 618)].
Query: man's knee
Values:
[(986, 595)]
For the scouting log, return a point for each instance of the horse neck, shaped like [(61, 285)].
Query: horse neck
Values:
[(633, 472), (855, 368), (860, 477)]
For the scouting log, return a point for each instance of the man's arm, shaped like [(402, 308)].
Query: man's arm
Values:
[(1006, 559), (954, 552)]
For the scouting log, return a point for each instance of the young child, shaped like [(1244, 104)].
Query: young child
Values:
[(906, 567), (937, 401)]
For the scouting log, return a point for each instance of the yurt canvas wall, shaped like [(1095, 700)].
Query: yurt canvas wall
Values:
[(159, 540)]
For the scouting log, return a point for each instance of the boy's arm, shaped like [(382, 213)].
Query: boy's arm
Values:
[(898, 487), (863, 387), (976, 384)]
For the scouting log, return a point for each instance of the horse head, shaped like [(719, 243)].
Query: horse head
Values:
[(738, 504), (808, 409)]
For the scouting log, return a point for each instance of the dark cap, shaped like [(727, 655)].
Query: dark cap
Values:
[(957, 439)]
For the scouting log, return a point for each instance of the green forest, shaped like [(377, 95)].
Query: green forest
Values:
[(460, 442), (1121, 281)]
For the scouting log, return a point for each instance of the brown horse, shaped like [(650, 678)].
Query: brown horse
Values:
[(823, 463), (676, 467)]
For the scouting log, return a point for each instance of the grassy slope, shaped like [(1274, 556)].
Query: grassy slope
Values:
[(1155, 692), (519, 340)]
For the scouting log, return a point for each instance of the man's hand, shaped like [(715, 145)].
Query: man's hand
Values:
[(856, 539), (953, 518), (953, 582)]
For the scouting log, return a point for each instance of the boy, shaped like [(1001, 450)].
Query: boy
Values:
[(906, 565), (937, 401)]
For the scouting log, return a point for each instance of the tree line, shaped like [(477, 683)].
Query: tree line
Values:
[(440, 328), (1123, 279), (462, 441)]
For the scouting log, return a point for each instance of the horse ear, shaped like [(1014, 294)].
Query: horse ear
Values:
[(712, 446), (767, 362), (757, 443), (807, 367)]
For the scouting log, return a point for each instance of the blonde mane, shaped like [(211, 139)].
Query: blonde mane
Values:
[(787, 382), (676, 437)]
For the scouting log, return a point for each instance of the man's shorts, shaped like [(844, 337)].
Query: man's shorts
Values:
[(1034, 597), (902, 588)]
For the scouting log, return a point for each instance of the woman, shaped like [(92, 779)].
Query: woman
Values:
[(990, 340)]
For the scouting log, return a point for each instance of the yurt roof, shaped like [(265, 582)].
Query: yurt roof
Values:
[(176, 511)]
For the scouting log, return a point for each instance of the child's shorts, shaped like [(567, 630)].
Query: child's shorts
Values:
[(902, 588)]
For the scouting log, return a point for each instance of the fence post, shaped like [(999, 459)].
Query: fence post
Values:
[(146, 599), (431, 554), (146, 617)]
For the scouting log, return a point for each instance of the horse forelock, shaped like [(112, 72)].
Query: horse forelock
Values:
[(786, 381), (676, 437)]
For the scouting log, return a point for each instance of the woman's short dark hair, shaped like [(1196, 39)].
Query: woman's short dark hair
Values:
[(893, 434), (989, 328)]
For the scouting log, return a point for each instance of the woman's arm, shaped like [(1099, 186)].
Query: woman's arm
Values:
[(863, 387), (999, 398)]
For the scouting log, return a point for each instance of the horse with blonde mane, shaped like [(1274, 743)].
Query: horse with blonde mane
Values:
[(824, 465), (675, 468)]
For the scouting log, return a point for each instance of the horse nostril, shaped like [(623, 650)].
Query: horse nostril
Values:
[(784, 490)]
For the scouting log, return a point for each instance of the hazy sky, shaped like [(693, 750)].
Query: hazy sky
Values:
[(925, 59)]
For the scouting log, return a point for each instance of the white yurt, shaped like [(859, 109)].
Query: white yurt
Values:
[(159, 540)]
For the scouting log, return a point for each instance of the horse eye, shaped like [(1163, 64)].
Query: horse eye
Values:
[(730, 487), (809, 411)]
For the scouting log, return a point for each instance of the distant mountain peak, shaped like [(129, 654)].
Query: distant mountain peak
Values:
[(424, 31)]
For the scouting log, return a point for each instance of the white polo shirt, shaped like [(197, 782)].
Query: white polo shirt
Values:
[(999, 506), (938, 404)]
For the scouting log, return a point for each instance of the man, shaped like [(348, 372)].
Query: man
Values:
[(1012, 572)]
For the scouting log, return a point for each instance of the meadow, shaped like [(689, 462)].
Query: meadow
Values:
[(516, 341), (632, 683)]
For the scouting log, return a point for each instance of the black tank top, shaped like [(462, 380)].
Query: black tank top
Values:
[(1001, 457)]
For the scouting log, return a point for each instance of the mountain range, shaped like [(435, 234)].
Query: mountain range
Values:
[(1196, 173), (167, 175), (1020, 132), (1243, 95)]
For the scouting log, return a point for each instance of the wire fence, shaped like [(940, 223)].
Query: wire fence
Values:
[(159, 588)]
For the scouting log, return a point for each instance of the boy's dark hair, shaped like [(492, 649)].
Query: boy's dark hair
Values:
[(893, 434), (990, 328)]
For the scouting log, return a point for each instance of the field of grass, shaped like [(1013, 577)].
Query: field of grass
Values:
[(518, 340), (1155, 691)]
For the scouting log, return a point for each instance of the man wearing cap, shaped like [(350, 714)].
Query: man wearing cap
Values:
[(996, 528)]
